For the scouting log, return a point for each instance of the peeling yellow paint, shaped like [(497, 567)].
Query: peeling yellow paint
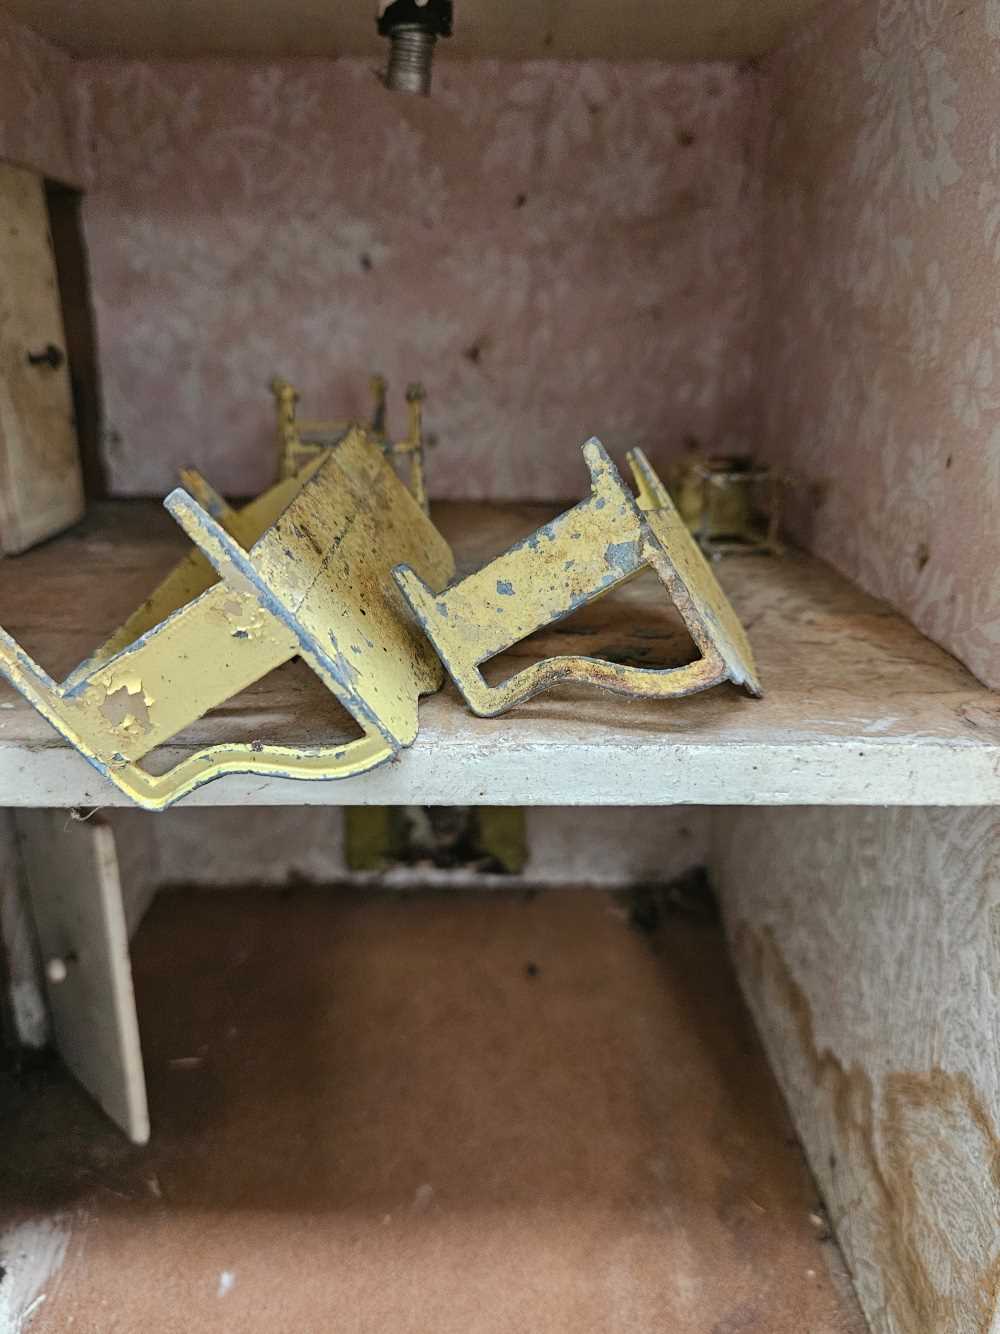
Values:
[(315, 583), (127, 707), (194, 574), (597, 545)]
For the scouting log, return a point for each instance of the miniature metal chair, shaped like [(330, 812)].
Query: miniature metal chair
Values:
[(194, 573), (582, 554), (316, 583), (301, 442)]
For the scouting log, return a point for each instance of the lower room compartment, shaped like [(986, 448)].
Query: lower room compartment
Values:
[(425, 1111)]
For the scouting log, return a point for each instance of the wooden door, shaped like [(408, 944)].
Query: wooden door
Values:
[(71, 868), (41, 490)]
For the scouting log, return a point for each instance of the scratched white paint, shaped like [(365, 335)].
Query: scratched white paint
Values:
[(31, 1254), (541, 765), (31, 1019), (18, 946)]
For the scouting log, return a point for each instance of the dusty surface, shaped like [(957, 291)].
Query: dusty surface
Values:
[(859, 708), (442, 1113)]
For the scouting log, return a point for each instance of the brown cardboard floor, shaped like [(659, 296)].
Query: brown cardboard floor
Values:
[(441, 1114)]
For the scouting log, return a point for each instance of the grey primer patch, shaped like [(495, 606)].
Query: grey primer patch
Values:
[(443, 609), (622, 556), (505, 588)]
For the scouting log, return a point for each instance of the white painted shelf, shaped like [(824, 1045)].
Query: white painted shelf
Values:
[(859, 709)]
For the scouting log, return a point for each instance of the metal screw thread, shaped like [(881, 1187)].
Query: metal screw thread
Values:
[(411, 53)]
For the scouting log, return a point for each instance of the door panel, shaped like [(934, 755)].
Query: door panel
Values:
[(41, 490), (71, 867)]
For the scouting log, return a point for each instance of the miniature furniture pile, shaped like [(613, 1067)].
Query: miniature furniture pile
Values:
[(340, 565)]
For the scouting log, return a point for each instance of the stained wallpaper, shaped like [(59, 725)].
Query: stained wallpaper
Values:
[(555, 249), (881, 370), (868, 944)]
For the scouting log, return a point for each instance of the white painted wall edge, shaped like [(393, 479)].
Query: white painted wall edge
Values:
[(857, 772)]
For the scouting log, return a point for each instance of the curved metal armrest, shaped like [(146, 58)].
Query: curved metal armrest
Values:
[(584, 553)]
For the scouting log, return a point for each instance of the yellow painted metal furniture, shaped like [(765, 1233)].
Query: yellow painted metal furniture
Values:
[(590, 549), (730, 504), (194, 573), (301, 442), (315, 583)]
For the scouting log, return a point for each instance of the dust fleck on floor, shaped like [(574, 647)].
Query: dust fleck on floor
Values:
[(439, 1114)]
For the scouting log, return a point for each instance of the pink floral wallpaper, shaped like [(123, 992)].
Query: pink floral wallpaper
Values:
[(559, 249), (881, 370), (37, 125), (555, 249)]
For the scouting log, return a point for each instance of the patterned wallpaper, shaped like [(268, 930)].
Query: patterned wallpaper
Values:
[(868, 944), (37, 128), (555, 249), (558, 249), (881, 377)]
